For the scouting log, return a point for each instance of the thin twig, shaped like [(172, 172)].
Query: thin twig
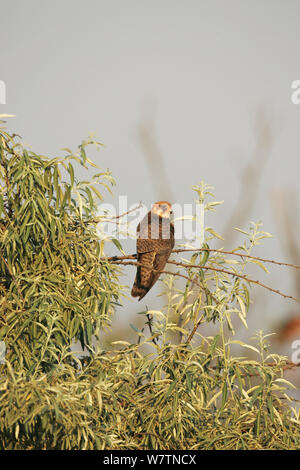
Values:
[(242, 255), (106, 219), (120, 215), (195, 329), (232, 273)]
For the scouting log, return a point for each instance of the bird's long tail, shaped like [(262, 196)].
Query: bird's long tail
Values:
[(143, 280), (138, 290)]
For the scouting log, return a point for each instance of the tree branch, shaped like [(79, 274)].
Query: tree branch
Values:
[(242, 255), (232, 273), (121, 260)]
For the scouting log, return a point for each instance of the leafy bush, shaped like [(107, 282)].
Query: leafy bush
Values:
[(173, 388)]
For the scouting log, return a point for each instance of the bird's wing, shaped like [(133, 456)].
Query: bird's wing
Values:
[(152, 263), (160, 260), (144, 273)]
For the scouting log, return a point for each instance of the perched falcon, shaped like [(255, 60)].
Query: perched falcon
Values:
[(154, 245)]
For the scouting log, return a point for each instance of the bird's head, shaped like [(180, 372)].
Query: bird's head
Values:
[(162, 209)]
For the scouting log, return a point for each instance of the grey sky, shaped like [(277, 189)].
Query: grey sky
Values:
[(202, 67)]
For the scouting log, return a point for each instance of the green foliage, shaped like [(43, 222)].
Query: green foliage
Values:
[(172, 389), (54, 287)]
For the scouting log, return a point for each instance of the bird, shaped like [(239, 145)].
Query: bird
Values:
[(155, 241)]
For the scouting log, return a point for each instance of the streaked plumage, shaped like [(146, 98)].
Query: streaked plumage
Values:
[(154, 246)]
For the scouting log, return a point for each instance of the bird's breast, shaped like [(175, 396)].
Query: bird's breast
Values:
[(155, 228)]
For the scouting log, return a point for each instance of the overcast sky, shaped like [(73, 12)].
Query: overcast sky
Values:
[(196, 70)]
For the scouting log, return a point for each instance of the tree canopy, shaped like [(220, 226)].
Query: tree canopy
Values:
[(173, 388)]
